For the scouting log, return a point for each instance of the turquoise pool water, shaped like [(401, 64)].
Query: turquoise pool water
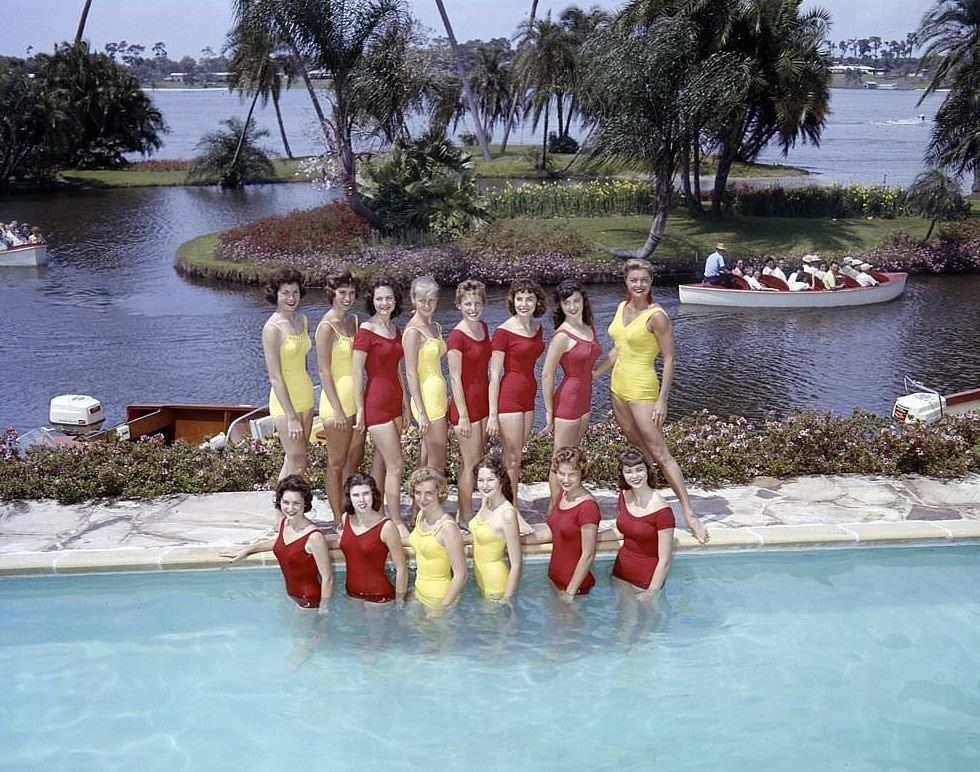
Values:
[(857, 659)]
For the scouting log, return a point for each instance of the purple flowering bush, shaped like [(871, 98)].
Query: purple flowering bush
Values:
[(956, 251)]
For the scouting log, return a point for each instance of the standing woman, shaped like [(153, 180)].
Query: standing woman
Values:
[(575, 347), (517, 344), (438, 544), (299, 547), (469, 356), (641, 331), (645, 523), (335, 356), (285, 343), (495, 533), (367, 541), (381, 403), (424, 350), (572, 527)]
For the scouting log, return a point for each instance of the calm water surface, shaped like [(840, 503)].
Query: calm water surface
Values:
[(110, 317)]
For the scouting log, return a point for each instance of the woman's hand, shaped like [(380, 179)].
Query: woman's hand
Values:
[(435, 612), (549, 425), (566, 597), (294, 427), (359, 421), (340, 421), (463, 427), (659, 413), (493, 426), (423, 425), (407, 418)]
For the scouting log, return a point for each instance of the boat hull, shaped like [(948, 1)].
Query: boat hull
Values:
[(29, 255), (701, 294)]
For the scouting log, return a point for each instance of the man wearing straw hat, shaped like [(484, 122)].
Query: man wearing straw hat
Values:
[(715, 270), (862, 276)]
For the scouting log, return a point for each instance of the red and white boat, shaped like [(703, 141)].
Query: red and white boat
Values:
[(24, 255), (890, 286), (921, 403)]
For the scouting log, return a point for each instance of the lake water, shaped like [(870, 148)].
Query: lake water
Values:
[(870, 137)]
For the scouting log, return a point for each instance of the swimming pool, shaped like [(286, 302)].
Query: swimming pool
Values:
[(857, 658)]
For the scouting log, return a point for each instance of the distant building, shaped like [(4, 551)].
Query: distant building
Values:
[(861, 69), (175, 77)]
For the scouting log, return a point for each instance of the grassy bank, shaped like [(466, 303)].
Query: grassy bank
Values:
[(198, 258), (137, 176)]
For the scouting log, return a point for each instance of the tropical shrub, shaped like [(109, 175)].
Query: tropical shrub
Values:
[(840, 201), (562, 144), (955, 251), (468, 138), (231, 159), (594, 198)]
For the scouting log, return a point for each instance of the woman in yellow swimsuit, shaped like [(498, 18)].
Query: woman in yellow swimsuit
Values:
[(495, 532), (285, 343), (334, 354), (438, 544), (641, 331), (424, 352)]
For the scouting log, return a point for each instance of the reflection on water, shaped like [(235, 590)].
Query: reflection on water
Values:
[(110, 317)]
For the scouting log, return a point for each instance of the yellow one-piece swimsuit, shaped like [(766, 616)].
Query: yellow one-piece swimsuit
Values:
[(489, 566), (292, 362), (341, 365), (431, 383), (433, 569), (634, 376)]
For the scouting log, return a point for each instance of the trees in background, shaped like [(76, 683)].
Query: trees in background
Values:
[(231, 156), (936, 196)]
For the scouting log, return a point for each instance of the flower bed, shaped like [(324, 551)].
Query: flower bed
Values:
[(595, 198), (711, 451), (840, 201), (956, 251)]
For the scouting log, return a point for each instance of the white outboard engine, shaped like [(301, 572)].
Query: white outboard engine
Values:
[(75, 413), (919, 406)]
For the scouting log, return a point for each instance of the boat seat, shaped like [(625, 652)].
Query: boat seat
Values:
[(739, 283), (878, 276), (848, 283), (774, 282)]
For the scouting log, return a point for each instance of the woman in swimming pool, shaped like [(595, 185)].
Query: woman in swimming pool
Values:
[(645, 523), (495, 534), (641, 331), (572, 527), (299, 546), (285, 344)]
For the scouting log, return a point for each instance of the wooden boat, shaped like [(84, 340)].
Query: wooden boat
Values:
[(25, 255), (921, 403), (890, 287)]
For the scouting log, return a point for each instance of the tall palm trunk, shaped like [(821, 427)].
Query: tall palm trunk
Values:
[(976, 179), (282, 128), (516, 91), (696, 150), (544, 144), (241, 137), (726, 157), (662, 191), (481, 136), (80, 30), (561, 115)]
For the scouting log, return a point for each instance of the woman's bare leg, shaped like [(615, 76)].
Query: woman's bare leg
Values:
[(387, 445), (338, 448), (568, 434), (294, 448), (436, 440), (471, 449)]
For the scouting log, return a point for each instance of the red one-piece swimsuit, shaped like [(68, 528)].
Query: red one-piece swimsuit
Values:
[(573, 398), (365, 555), (518, 387), (298, 569), (566, 541), (637, 559), (383, 393), (476, 382)]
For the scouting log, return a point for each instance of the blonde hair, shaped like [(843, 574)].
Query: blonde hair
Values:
[(422, 284), (428, 474), (636, 264)]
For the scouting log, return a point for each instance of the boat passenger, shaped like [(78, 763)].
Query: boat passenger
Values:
[(469, 351), (769, 267), (439, 557), (830, 278), (335, 357), (575, 347), (863, 278), (286, 343), (299, 546), (715, 270), (367, 541), (517, 345), (645, 524), (572, 527), (424, 350), (780, 270), (794, 283), (641, 331), (740, 269), (36, 236), (753, 281), (381, 401), (495, 534)]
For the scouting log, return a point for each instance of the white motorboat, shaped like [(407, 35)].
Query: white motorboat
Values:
[(921, 403), (890, 286), (24, 255)]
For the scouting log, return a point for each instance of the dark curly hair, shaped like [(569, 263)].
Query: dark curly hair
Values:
[(285, 275), (526, 285), (573, 456), (563, 292), (630, 456), (361, 479), (495, 464), (337, 280), (376, 284), (295, 484)]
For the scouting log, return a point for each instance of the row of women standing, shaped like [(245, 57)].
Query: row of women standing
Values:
[(369, 540), (366, 387)]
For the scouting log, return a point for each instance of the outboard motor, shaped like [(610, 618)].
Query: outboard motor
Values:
[(920, 406), (76, 413)]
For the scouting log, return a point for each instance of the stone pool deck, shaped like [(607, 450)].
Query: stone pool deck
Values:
[(190, 531)]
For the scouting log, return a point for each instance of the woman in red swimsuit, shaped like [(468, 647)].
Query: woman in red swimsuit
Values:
[(572, 527), (381, 403), (469, 351), (645, 523), (575, 347), (367, 541), (517, 344), (299, 547)]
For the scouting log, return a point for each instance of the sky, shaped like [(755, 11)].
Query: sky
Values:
[(188, 26)]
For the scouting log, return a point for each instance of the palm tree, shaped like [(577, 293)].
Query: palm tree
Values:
[(518, 88), (491, 85), (231, 156), (950, 32), (80, 30), (936, 195), (471, 105)]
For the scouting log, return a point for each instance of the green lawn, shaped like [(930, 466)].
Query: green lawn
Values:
[(136, 177)]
